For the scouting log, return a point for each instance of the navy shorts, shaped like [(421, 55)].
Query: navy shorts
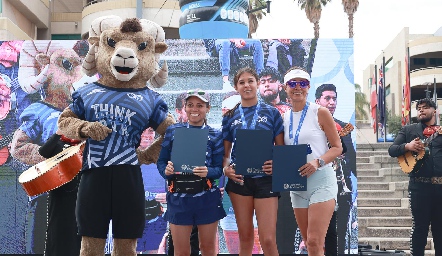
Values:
[(198, 209), (112, 192), (260, 187)]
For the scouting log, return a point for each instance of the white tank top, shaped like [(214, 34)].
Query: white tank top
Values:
[(310, 133)]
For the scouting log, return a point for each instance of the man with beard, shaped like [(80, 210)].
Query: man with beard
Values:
[(425, 185), (326, 96), (270, 89)]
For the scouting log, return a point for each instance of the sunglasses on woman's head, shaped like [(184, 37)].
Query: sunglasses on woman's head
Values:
[(199, 92), (293, 84)]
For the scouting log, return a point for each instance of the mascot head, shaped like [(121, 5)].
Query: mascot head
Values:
[(126, 53)]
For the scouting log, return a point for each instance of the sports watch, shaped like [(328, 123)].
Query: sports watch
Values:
[(321, 162)]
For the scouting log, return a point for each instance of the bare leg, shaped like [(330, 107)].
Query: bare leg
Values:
[(207, 238), (181, 239), (243, 208), (266, 213), (301, 215), (319, 215)]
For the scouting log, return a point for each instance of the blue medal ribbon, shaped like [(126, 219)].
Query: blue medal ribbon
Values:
[(254, 119), (301, 121)]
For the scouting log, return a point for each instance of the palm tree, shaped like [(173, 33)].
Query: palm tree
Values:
[(313, 9), (360, 104), (350, 7), (256, 16)]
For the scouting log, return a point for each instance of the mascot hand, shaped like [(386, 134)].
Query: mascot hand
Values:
[(144, 157), (95, 130)]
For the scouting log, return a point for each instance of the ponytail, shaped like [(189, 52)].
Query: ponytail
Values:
[(230, 112)]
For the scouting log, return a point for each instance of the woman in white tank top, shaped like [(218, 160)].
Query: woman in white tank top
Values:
[(312, 124)]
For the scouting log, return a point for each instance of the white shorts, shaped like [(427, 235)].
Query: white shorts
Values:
[(321, 187)]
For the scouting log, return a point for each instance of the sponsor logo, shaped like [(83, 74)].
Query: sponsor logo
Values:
[(135, 96), (96, 91), (293, 186)]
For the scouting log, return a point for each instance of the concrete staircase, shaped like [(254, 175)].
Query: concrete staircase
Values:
[(384, 217)]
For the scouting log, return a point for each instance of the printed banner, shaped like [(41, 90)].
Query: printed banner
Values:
[(37, 78)]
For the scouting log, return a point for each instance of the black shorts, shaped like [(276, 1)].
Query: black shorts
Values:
[(256, 187), (111, 193)]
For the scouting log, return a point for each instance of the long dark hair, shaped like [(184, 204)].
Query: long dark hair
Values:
[(235, 81)]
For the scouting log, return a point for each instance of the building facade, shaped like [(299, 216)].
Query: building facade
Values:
[(70, 19), (425, 63)]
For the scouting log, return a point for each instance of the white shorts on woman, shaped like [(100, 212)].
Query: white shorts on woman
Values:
[(321, 187)]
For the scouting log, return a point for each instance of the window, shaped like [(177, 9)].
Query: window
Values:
[(66, 37), (419, 61), (435, 62)]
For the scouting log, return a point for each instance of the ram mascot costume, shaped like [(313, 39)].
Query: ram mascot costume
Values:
[(111, 114)]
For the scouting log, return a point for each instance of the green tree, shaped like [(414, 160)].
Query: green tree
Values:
[(313, 9), (256, 16), (350, 7), (360, 104), (394, 123)]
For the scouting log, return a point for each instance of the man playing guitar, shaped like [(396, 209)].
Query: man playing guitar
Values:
[(425, 185)]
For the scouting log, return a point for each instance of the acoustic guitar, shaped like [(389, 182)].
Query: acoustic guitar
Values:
[(337, 163), (409, 160), (348, 128), (53, 172)]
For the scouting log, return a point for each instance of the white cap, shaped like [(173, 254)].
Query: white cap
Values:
[(296, 73)]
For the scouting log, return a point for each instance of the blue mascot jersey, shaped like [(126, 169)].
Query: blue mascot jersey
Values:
[(39, 121), (128, 112)]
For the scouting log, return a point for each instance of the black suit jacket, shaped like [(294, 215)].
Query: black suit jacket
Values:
[(432, 165), (405, 135)]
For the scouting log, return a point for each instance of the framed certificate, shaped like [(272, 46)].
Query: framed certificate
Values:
[(252, 149), (189, 149), (286, 162)]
